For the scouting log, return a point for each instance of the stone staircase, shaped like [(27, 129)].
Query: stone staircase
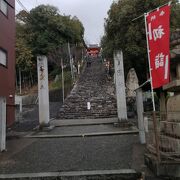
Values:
[(94, 87)]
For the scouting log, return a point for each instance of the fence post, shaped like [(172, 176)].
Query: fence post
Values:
[(140, 110), (156, 136), (2, 124)]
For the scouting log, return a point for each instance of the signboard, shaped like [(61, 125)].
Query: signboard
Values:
[(158, 33)]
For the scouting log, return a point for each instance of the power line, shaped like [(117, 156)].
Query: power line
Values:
[(22, 6), (16, 10), (142, 15)]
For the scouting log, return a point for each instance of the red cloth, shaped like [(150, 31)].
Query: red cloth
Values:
[(158, 39)]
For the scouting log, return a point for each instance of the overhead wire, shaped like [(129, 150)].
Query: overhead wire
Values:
[(22, 6)]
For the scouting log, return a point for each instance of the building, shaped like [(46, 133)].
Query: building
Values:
[(7, 56), (93, 50)]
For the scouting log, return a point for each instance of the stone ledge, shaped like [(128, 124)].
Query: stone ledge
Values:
[(132, 131), (79, 122), (173, 86), (169, 143), (171, 128), (165, 169)]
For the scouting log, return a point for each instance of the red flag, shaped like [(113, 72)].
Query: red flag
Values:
[(158, 39)]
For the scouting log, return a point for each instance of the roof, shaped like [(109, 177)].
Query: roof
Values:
[(93, 46)]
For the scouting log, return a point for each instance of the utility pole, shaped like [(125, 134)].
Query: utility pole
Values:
[(71, 62), (62, 68), (20, 82)]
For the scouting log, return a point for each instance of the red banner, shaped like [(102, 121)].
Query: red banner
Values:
[(158, 33)]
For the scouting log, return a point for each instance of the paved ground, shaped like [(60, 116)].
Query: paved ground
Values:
[(36, 155), (72, 154), (32, 155), (41, 155)]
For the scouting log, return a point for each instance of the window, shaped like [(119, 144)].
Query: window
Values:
[(3, 57), (4, 7)]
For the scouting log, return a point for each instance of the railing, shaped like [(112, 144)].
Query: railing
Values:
[(163, 135)]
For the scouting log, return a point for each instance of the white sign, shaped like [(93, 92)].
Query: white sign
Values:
[(88, 105)]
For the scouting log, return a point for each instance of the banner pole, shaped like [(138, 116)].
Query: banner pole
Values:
[(169, 3), (152, 92)]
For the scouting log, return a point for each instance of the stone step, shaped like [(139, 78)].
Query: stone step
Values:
[(87, 112), (91, 100), (84, 107), (92, 87), (85, 117), (70, 101), (120, 174)]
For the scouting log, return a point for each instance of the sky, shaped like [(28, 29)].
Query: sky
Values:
[(90, 12)]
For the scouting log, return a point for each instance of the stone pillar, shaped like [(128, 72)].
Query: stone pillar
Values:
[(2, 124), (43, 91), (120, 86), (140, 110)]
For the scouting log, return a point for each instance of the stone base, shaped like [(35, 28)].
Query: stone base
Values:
[(171, 128), (123, 123), (164, 169), (46, 127), (173, 86), (170, 144)]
